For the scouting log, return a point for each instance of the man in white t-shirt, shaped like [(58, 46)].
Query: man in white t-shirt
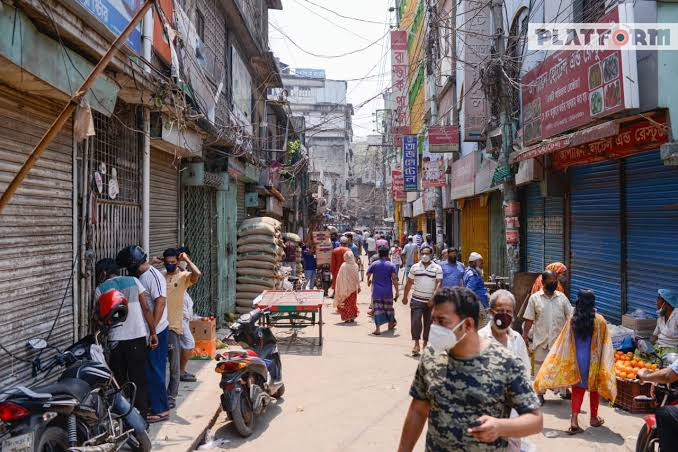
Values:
[(424, 279), (128, 358), (133, 258), (371, 246)]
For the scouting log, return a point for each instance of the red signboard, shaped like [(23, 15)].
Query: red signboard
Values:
[(572, 88), (633, 138), (160, 43), (443, 139), (398, 185), (400, 117)]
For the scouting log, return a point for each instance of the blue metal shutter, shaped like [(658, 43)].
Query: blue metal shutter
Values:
[(652, 229), (554, 230), (535, 229), (595, 238)]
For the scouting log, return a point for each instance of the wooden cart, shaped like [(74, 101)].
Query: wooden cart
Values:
[(294, 309)]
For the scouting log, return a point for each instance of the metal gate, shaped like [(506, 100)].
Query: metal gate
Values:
[(497, 236), (554, 227), (595, 235), (475, 229), (164, 208), (200, 236), (535, 229), (652, 229)]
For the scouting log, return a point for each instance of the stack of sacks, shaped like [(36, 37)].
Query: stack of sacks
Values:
[(260, 253)]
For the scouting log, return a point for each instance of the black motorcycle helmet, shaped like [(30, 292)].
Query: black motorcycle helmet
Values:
[(131, 258)]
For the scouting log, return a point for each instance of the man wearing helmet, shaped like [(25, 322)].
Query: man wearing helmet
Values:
[(134, 259), (128, 357)]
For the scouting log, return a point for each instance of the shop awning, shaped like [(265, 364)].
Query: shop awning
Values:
[(603, 130)]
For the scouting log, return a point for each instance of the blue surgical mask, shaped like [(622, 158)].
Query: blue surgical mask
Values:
[(170, 268)]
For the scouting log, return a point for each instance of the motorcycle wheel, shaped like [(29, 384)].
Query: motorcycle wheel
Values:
[(643, 440), (53, 439), (280, 392), (243, 415), (143, 442)]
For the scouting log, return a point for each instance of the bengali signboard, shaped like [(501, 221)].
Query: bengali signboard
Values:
[(432, 168), (633, 138), (573, 88), (462, 177), (410, 163), (398, 185), (400, 118), (476, 51), (115, 15), (443, 139)]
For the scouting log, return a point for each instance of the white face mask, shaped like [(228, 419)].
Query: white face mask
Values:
[(426, 258), (443, 339), (183, 265)]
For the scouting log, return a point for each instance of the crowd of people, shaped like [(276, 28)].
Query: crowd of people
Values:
[(465, 339), (156, 333)]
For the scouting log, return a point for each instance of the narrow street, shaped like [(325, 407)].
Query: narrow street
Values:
[(352, 395)]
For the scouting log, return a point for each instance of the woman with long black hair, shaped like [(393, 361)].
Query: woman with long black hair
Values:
[(582, 358)]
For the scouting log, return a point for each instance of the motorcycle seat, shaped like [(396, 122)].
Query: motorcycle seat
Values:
[(73, 387)]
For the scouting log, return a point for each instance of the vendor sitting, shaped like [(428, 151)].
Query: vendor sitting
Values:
[(666, 332)]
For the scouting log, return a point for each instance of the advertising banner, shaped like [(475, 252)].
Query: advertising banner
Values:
[(573, 88), (476, 30), (398, 185), (443, 139), (462, 177), (432, 168), (115, 15), (400, 118), (410, 163)]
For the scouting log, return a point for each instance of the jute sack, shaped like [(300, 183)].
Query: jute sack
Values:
[(258, 248), (258, 238), (291, 236), (256, 264), (241, 310), (256, 280), (256, 288), (256, 229), (267, 273), (267, 220), (262, 257)]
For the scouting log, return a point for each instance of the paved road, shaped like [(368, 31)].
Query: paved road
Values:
[(352, 395)]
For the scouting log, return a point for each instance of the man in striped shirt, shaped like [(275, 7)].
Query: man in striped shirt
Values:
[(423, 280)]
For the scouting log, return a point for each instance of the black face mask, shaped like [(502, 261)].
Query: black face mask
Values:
[(552, 286), (452, 259)]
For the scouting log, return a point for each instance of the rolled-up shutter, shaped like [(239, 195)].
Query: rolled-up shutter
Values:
[(535, 229), (164, 220), (652, 229), (36, 234), (595, 238), (554, 222)]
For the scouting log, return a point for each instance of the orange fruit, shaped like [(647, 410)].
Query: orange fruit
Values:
[(629, 353), (648, 366), (622, 374)]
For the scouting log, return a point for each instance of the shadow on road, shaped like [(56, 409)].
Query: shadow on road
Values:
[(298, 345), (229, 437)]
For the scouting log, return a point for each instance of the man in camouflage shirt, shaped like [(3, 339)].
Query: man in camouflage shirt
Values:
[(466, 385)]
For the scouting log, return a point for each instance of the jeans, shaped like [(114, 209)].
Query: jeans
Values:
[(667, 425), (128, 363), (420, 314), (156, 366), (174, 356), (310, 278)]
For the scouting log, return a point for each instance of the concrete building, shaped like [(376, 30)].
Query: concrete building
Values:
[(328, 131)]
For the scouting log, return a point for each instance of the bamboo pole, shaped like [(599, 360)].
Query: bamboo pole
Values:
[(68, 110)]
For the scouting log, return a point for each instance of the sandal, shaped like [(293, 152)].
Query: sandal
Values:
[(416, 352), (376, 333), (599, 421), (155, 418), (574, 430)]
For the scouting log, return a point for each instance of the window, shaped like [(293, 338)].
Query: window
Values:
[(200, 25), (588, 10), (304, 91)]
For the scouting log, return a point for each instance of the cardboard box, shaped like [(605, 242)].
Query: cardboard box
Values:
[(641, 327), (204, 329), (205, 349)]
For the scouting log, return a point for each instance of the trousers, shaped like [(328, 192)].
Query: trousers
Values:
[(174, 356), (578, 399), (310, 276), (156, 366), (128, 363), (420, 315), (667, 425)]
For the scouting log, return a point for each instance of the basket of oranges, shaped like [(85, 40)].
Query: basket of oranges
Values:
[(626, 367)]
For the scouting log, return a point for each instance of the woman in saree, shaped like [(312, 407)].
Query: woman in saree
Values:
[(582, 358), (348, 288), (561, 272)]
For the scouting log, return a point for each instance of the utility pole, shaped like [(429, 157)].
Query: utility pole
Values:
[(506, 120)]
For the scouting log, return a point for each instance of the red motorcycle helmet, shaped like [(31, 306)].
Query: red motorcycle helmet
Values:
[(112, 307)]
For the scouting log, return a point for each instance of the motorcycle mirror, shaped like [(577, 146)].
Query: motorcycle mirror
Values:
[(37, 343)]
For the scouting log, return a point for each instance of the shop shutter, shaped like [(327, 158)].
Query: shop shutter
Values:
[(475, 230), (535, 229), (497, 236), (652, 229), (240, 202), (164, 230), (595, 238), (36, 234), (554, 224)]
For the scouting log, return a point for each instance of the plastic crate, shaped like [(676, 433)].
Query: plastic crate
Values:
[(627, 390)]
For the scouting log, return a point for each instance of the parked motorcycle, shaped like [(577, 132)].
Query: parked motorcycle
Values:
[(664, 395), (251, 378), (85, 410), (324, 278)]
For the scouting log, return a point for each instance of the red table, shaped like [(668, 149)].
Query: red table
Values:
[(294, 309)]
